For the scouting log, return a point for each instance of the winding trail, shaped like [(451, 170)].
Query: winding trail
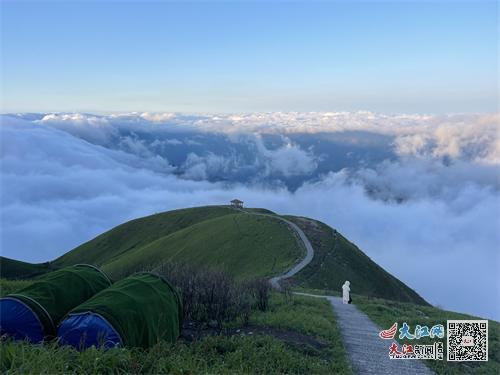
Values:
[(275, 281), (367, 353)]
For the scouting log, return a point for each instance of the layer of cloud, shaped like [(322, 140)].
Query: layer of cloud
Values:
[(460, 135), (428, 213)]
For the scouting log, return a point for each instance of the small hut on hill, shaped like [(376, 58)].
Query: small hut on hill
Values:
[(236, 203)]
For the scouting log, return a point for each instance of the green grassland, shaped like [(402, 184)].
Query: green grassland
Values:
[(138, 233), (243, 245), (211, 355), (235, 241), (10, 286), (15, 269), (215, 236), (221, 354), (246, 246), (386, 312), (336, 260), (309, 316)]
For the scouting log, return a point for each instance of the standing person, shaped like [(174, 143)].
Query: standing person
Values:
[(346, 296)]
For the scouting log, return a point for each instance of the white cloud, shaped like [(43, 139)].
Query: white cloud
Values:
[(473, 137), (67, 178), (289, 160), (201, 168), (157, 117), (92, 128)]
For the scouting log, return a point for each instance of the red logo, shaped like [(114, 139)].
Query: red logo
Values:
[(393, 350), (388, 334)]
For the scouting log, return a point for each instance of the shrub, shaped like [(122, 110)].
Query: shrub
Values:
[(286, 289), (259, 289), (213, 295)]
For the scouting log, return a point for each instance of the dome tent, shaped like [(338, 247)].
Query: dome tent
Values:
[(137, 311), (34, 311)]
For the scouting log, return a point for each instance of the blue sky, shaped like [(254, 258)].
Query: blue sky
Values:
[(424, 57)]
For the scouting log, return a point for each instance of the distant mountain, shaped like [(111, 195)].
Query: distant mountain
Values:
[(244, 244)]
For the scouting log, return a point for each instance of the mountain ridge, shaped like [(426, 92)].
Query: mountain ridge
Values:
[(242, 244)]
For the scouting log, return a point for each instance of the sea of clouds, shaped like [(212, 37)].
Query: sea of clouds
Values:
[(419, 194)]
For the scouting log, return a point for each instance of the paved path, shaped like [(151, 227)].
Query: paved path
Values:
[(275, 281), (367, 353)]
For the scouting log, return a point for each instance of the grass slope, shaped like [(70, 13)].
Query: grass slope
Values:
[(309, 316), (15, 269), (244, 245), (137, 233), (336, 260), (248, 354), (11, 286)]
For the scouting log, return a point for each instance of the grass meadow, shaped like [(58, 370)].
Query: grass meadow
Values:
[(303, 338)]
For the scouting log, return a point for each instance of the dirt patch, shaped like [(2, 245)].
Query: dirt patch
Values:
[(288, 336), (306, 222), (193, 331)]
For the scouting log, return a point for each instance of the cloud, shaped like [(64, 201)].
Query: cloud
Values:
[(95, 129), (288, 160), (474, 139), (427, 211), (414, 179), (201, 168)]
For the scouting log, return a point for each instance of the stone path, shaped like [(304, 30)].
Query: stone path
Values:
[(367, 353), (275, 281)]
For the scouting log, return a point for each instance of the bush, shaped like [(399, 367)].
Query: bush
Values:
[(259, 289), (213, 296)]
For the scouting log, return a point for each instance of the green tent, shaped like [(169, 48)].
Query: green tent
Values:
[(137, 311), (34, 312)]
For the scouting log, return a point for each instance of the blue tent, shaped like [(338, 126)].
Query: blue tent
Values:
[(19, 321), (138, 311), (88, 329), (33, 312)]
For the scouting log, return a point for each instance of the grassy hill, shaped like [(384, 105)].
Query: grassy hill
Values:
[(15, 269), (137, 233), (295, 335), (337, 260), (243, 244)]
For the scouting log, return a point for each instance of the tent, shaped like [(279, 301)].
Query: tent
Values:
[(34, 312), (137, 311)]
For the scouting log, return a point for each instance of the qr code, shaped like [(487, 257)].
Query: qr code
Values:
[(467, 340)]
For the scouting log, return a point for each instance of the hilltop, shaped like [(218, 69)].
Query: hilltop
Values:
[(239, 242)]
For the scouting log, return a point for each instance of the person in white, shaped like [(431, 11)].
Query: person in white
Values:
[(345, 292)]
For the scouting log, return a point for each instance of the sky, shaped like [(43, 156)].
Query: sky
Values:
[(111, 56)]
